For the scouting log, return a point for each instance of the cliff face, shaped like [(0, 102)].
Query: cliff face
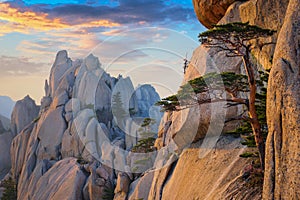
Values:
[(77, 146), (282, 180), (282, 151), (85, 117)]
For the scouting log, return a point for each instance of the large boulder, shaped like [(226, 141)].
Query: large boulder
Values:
[(64, 180), (18, 150), (282, 180), (61, 64), (209, 12), (208, 177), (255, 12), (50, 134), (25, 111)]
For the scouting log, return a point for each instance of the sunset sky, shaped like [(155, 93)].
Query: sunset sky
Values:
[(116, 31)]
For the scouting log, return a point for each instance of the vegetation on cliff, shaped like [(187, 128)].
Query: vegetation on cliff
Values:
[(235, 39)]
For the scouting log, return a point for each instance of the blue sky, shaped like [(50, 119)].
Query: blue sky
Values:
[(32, 31)]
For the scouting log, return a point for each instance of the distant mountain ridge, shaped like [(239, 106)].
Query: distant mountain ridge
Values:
[(6, 106)]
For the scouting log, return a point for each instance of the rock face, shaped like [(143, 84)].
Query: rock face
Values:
[(76, 144), (64, 180), (6, 106), (209, 12), (146, 98), (24, 112), (283, 144), (252, 11), (195, 177), (5, 164), (4, 124)]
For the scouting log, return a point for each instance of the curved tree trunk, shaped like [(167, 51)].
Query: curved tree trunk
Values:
[(255, 124)]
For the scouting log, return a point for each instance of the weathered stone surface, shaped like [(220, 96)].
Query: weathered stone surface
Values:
[(30, 162), (282, 180), (200, 178), (50, 134), (4, 124), (139, 189), (5, 163), (97, 186), (122, 187), (266, 14), (103, 101), (146, 98), (64, 180), (61, 65), (6, 106), (209, 12), (18, 151), (206, 60), (25, 111)]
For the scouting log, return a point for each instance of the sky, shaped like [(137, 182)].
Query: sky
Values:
[(144, 39)]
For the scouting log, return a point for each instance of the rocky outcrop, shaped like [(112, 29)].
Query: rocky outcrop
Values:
[(4, 124), (209, 12), (24, 112), (61, 65), (64, 180), (213, 176), (77, 141), (5, 164), (6, 106), (267, 14), (146, 98), (283, 144)]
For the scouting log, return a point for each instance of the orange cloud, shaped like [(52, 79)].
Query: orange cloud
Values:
[(14, 20)]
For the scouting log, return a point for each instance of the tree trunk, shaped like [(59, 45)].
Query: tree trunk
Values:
[(255, 124)]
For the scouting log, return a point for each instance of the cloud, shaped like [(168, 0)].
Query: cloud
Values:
[(127, 12), (17, 20), (16, 66)]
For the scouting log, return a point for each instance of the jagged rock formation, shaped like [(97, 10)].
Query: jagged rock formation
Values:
[(88, 121), (6, 106), (77, 141), (282, 180), (5, 164), (23, 113), (201, 62), (4, 124), (5, 141)]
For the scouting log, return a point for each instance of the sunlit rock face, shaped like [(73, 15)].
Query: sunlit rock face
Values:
[(24, 112), (283, 112), (75, 138), (209, 12)]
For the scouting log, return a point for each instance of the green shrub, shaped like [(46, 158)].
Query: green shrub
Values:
[(10, 191), (247, 155)]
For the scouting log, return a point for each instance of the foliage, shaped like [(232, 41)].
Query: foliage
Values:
[(144, 145), (188, 93), (117, 108), (10, 191), (261, 95), (234, 39), (232, 33), (108, 192), (248, 154)]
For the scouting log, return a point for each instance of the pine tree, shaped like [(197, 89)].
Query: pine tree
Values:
[(236, 39)]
